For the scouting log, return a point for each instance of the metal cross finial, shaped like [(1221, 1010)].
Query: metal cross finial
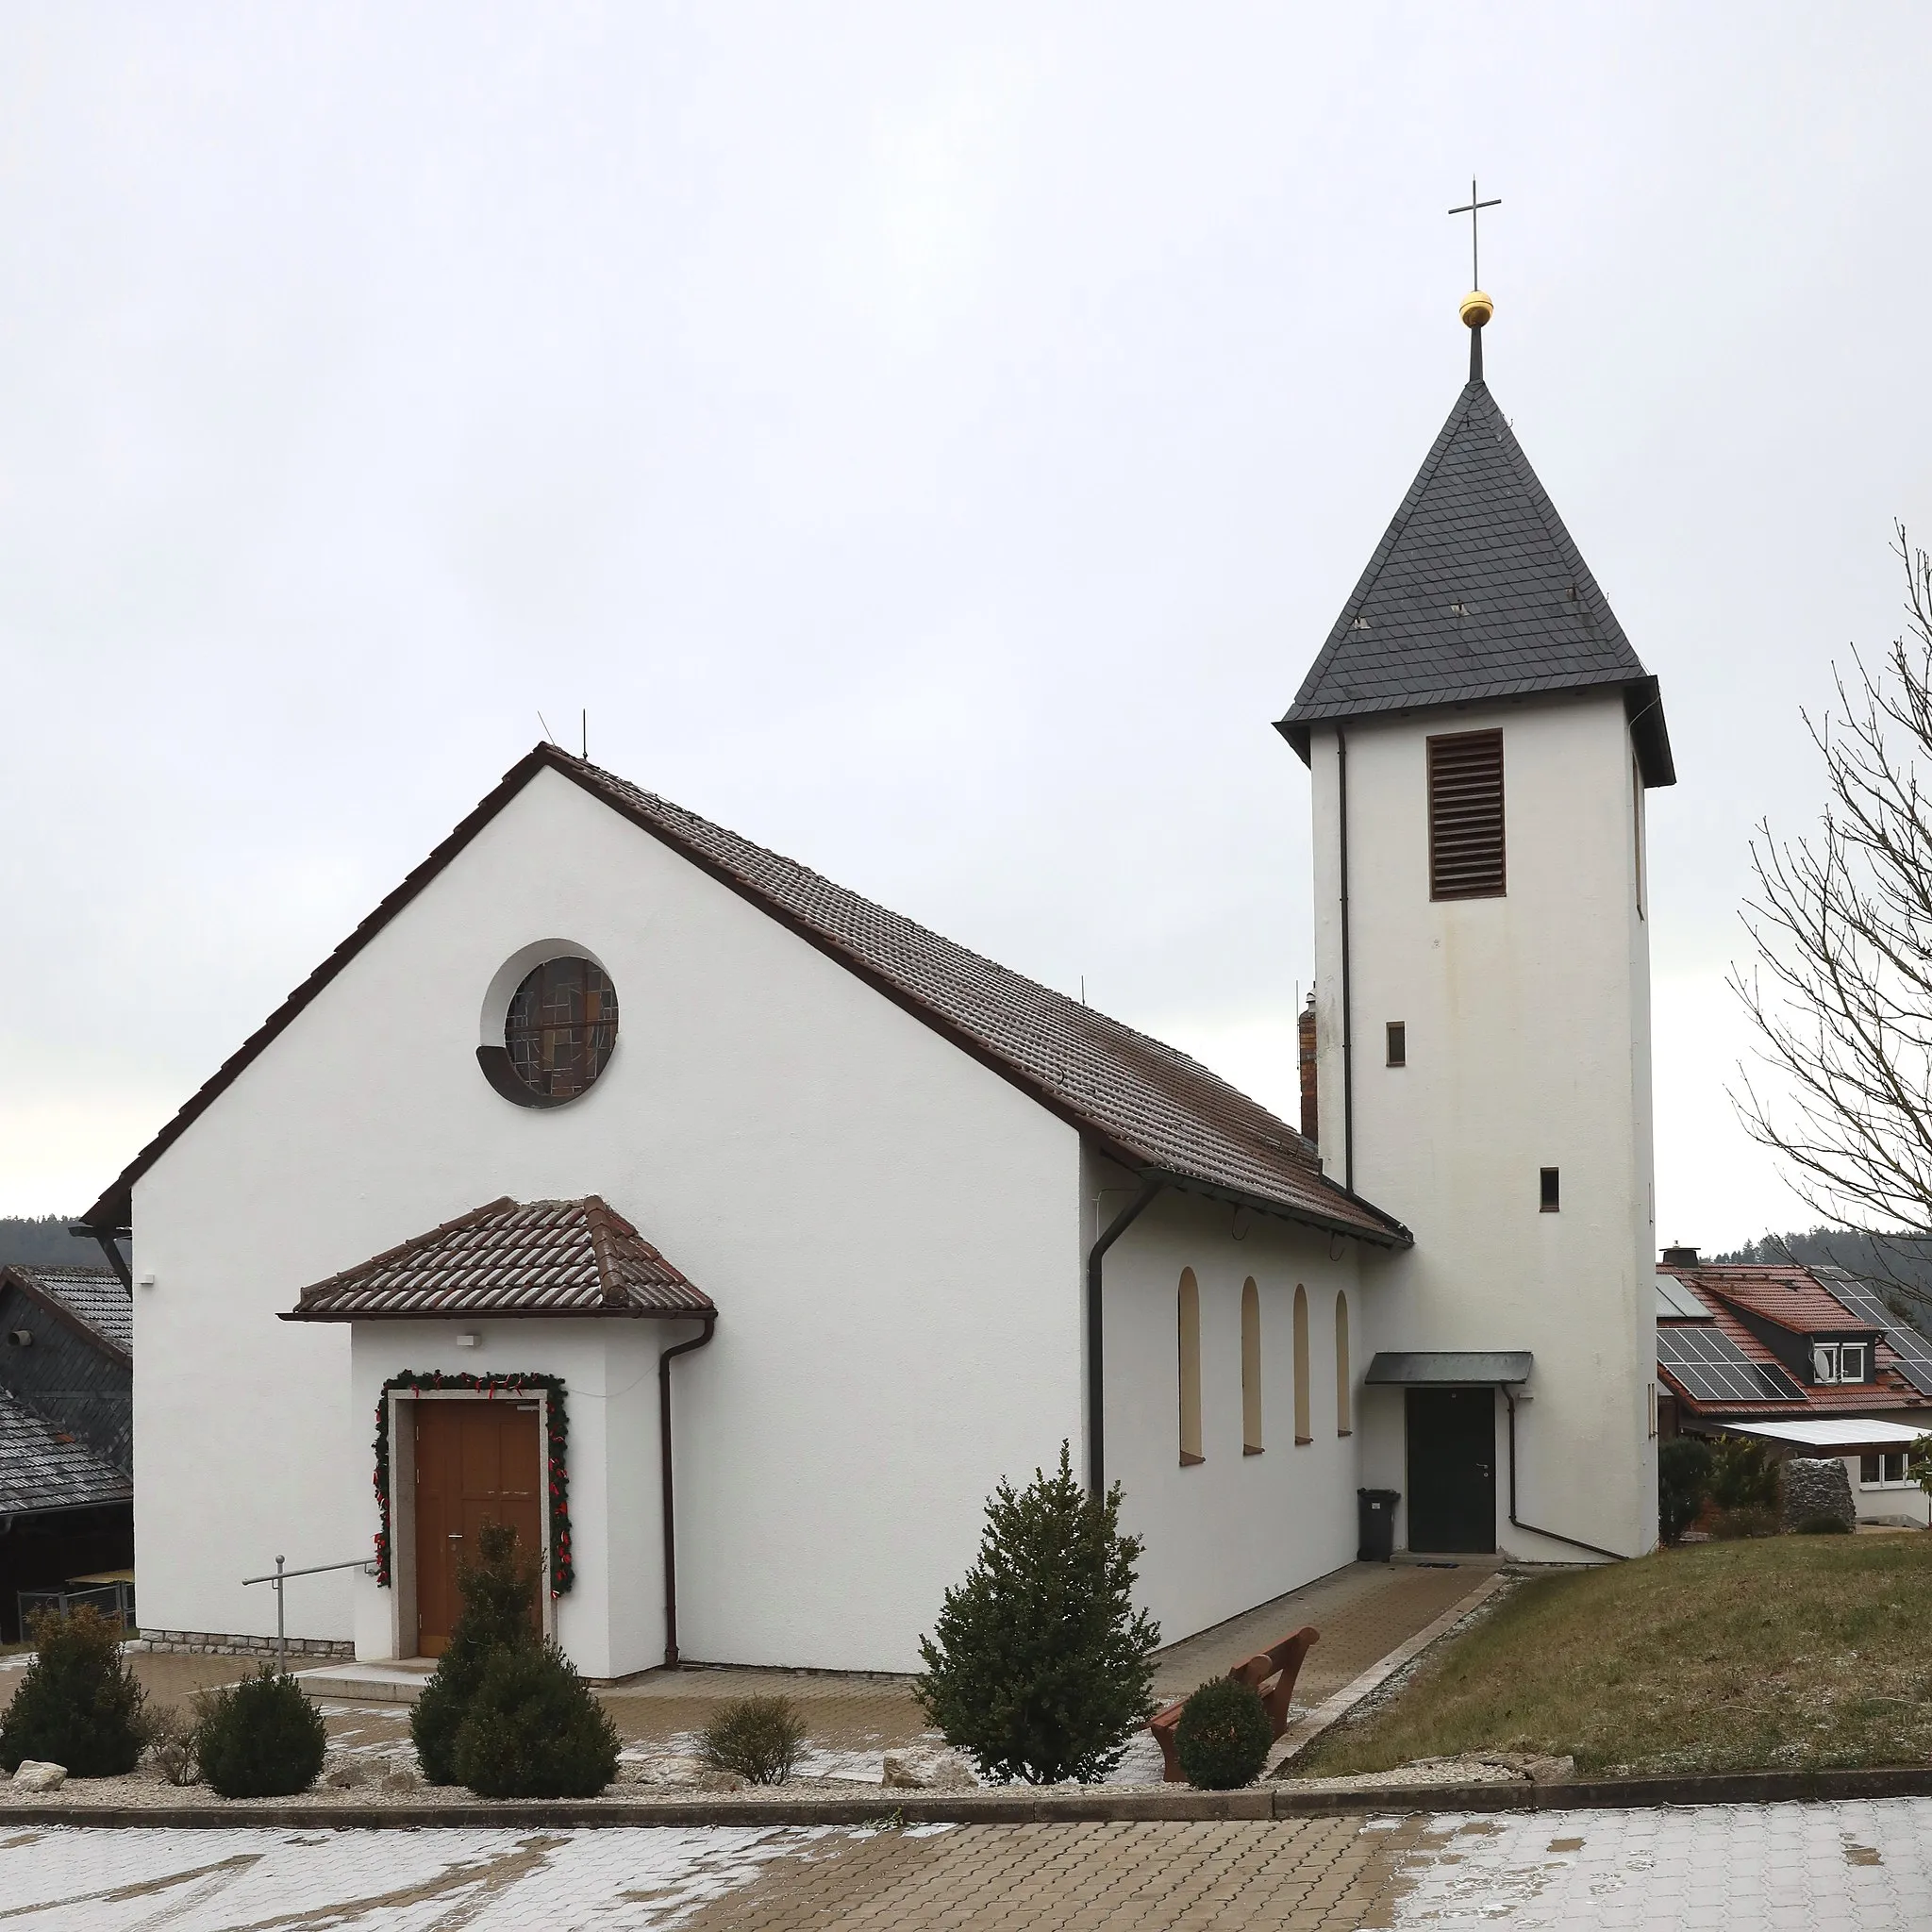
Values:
[(1470, 208)]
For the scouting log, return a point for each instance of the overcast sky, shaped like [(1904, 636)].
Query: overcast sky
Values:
[(933, 442)]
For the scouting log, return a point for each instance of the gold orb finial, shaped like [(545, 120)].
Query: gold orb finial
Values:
[(1476, 309)]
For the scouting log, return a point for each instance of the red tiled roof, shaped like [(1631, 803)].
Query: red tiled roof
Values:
[(1790, 1298), (1143, 1104), (1719, 1285), (540, 1257)]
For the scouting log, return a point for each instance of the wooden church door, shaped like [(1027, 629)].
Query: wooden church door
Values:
[(477, 1462)]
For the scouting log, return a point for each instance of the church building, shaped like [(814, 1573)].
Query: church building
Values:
[(734, 1236)]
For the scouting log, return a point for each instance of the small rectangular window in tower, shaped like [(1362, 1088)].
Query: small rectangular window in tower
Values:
[(1551, 1195), (1466, 815), (1398, 1043)]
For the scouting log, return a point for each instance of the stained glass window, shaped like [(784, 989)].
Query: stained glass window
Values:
[(562, 1028)]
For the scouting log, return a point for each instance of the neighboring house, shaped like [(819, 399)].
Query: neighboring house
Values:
[(735, 1235), (66, 1447), (1808, 1360)]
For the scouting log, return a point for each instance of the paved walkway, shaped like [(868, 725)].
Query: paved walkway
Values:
[(1811, 1868)]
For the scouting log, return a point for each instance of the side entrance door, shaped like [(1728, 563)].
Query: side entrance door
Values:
[(1451, 1470), (477, 1462)]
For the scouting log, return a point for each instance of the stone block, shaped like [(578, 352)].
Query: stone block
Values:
[(1817, 1486), (36, 1775), (927, 1769)]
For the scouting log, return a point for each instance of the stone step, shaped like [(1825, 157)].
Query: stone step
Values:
[(367, 1683)]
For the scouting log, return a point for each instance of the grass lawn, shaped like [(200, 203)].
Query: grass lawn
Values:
[(1785, 1653)]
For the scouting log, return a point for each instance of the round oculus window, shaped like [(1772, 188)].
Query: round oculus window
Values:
[(561, 1028)]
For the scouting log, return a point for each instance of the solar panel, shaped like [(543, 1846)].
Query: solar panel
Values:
[(1675, 1300), (1913, 1351), (1713, 1368)]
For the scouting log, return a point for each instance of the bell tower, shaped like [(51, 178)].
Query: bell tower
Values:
[(1481, 737)]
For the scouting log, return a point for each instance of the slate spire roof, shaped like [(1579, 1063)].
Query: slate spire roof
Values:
[(1476, 593)]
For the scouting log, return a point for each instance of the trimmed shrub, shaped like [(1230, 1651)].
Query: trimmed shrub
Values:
[(1038, 1665), (1743, 1475), (1224, 1736), (1731, 1525), (1821, 1523), (260, 1738), (759, 1737), (78, 1703), (533, 1730), (1683, 1483), (499, 1612)]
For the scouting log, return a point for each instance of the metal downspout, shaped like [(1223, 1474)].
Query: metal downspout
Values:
[(670, 1488), (1517, 1523), (1096, 1378), (1347, 1004)]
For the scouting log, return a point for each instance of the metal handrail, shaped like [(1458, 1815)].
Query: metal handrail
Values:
[(280, 1576)]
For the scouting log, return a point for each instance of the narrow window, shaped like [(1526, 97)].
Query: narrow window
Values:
[(1551, 1197), (1869, 1469), (1851, 1362), (1344, 1381), (1895, 1467), (1251, 1368), (1466, 816), (1637, 827), (1303, 1428), (1190, 1302), (1824, 1361), (1398, 1043)]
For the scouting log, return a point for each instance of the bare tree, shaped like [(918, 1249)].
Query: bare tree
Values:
[(1841, 989)]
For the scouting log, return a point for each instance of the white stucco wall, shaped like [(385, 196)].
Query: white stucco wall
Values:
[(1234, 1529), (1529, 1046), (893, 1234)]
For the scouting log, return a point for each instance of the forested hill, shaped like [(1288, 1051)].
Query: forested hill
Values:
[(43, 1239), (1900, 1269)]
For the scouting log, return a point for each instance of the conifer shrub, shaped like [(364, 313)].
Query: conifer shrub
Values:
[(1224, 1736), (534, 1730), (759, 1737), (78, 1704), (1743, 1475), (1683, 1484), (499, 1596), (1037, 1664), (260, 1738)]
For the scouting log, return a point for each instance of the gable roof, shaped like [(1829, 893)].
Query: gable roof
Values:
[(87, 1299), (1476, 593), (1788, 1298), (1151, 1109), (543, 1257), (43, 1467)]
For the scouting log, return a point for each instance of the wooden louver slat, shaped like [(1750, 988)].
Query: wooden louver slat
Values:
[(1466, 816)]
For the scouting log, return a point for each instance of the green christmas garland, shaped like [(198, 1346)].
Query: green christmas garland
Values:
[(562, 1571)]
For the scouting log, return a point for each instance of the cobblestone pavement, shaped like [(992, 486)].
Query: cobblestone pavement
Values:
[(1811, 1868)]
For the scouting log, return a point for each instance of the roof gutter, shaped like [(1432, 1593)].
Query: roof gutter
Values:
[(670, 1487), (1151, 1185)]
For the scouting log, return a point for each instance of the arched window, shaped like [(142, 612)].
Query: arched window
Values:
[(1251, 1368), (1344, 1412), (1190, 1323), (1304, 1429)]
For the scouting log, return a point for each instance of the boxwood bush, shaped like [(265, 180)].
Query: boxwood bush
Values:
[(1222, 1737), (260, 1738)]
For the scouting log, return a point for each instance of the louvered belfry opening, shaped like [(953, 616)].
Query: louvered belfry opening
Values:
[(1466, 815)]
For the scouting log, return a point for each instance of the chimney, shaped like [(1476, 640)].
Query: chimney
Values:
[(1680, 1258), (1305, 1035)]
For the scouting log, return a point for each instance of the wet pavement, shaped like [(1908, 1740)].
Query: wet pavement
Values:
[(1716, 1869)]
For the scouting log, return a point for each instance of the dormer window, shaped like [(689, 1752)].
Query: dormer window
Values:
[(1837, 1362)]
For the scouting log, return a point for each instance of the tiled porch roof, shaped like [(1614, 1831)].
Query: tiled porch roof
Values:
[(510, 1258)]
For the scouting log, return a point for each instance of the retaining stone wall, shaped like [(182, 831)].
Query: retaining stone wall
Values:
[(214, 1643)]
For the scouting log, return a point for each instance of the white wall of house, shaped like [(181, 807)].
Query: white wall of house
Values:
[(1529, 1046), (1234, 1529), (890, 1231)]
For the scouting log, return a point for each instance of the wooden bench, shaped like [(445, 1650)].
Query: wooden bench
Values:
[(1272, 1672)]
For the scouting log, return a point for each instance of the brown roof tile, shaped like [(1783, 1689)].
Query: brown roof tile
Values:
[(509, 1258), (1144, 1105)]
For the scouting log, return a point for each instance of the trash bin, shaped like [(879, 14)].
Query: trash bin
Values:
[(1375, 1536)]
